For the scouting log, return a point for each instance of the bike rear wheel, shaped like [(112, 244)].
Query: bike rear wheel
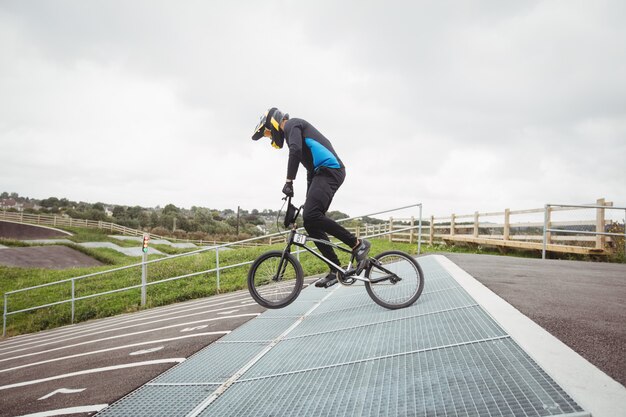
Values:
[(275, 280), (402, 279)]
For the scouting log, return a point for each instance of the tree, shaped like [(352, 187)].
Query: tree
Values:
[(167, 221), (93, 214), (119, 212), (154, 219), (254, 219), (50, 202), (144, 219), (337, 215), (134, 212), (170, 209), (182, 222)]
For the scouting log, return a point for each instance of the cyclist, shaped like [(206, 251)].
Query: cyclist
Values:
[(325, 174)]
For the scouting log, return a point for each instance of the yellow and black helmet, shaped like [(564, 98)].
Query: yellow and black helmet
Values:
[(270, 120)]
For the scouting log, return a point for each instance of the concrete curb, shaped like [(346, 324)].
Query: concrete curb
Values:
[(594, 390)]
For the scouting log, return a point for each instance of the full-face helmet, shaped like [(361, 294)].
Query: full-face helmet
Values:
[(270, 121)]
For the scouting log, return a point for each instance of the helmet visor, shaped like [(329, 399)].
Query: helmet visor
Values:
[(260, 127)]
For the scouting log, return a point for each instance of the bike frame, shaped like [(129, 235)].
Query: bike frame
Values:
[(300, 240)]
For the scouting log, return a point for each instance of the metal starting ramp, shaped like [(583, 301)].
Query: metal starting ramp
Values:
[(335, 352)]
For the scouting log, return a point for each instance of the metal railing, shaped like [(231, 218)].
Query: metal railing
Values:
[(600, 223), (73, 299)]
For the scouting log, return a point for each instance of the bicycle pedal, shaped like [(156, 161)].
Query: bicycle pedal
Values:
[(345, 279), (321, 284), (330, 283)]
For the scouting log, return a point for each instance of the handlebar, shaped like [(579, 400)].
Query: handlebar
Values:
[(291, 214)]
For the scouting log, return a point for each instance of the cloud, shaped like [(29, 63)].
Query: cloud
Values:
[(467, 106)]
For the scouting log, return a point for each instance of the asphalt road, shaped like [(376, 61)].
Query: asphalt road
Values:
[(92, 364), (583, 304), (86, 366)]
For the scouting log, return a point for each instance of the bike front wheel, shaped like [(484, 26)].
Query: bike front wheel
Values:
[(275, 279), (396, 279)]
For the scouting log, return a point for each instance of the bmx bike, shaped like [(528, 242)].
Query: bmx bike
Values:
[(393, 279)]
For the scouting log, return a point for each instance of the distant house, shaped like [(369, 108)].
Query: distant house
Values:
[(10, 203), (108, 211), (32, 206)]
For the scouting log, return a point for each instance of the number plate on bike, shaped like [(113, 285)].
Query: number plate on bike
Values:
[(298, 238)]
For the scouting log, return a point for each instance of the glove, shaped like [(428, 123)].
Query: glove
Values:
[(288, 189)]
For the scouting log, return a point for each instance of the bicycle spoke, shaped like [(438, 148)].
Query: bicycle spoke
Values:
[(401, 280), (273, 281)]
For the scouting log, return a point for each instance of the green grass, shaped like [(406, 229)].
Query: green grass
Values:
[(80, 235), (202, 285), (13, 243)]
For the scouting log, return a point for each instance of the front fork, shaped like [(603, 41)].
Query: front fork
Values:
[(282, 265)]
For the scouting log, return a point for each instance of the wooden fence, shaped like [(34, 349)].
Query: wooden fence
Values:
[(472, 228), (66, 221), (498, 229), (468, 228)]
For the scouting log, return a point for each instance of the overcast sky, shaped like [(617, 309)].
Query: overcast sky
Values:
[(460, 105)]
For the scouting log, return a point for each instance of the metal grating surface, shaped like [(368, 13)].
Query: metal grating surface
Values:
[(259, 330), (295, 309), (159, 401), (472, 380), (214, 364), (401, 336), (345, 356), (366, 312)]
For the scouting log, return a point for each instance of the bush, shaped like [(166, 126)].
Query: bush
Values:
[(161, 231), (197, 236), (179, 234), (616, 245)]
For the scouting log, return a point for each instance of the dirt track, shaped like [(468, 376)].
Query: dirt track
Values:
[(52, 257), (20, 231)]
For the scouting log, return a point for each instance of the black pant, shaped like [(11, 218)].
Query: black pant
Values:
[(320, 193)]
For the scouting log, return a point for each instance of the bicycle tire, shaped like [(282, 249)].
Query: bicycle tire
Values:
[(268, 291), (400, 294)]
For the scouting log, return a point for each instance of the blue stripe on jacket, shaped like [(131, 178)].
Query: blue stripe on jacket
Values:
[(322, 157)]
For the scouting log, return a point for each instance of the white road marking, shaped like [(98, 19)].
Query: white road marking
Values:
[(191, 329), (227, 312), (126, 335), (93, 371), (64, 332), (145, 351), (66, 411), (222, 388), (62, 391), (110, 349), (99, 331)]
